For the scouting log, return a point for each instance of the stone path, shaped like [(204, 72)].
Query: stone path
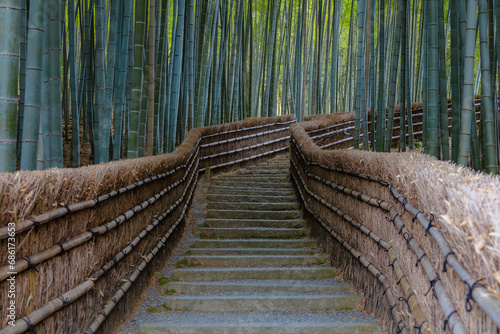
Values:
[(253, 269)]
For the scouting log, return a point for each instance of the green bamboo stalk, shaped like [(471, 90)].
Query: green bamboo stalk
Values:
[(497, 83), (393, 77), (443, 102), (189, 69), (432, 147), (176, 75), (379, 141), (151, 79), (135, 111), (402, 80), (467, 116), (100, 115), (372, 89), (487, 117), (52, 108), (22, 75), (425, 75), (121, 82), (455, 79), (36, 28), (10, 16), (409, 78), (266, 103), (75, 106), (359, 68)]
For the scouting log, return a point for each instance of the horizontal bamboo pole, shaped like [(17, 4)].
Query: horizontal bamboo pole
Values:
[(246, 159), (246, 148), (60, 302), (75, 207), (131, 246), (447, 306), (111, 304), (329, 127), (37, 258), (357, 255), (330, 134), (26, 322), (484, 299), (480, 294), (227, 141), (407, 290), (247, 129)]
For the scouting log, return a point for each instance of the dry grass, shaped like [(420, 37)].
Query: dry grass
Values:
[(466, 205), (27, 194)]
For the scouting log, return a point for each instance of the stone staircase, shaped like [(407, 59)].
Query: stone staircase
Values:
[(254, 270)]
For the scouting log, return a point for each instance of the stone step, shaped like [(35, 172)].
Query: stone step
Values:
[(253, 232), (263, 171), (253, 260), (251, 184), (285, 206), (273, 322), (278, 165), (250, 198), (252, 214), (304, 286), (269, 301), (289, 223), (253, 178), (250, 191), (252, 251), (253, 243), (261, 273)]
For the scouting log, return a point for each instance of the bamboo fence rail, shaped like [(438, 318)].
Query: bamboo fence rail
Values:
[(314, 172), (157, 216)]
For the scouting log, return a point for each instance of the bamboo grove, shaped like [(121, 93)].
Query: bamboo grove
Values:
[(130, 78)]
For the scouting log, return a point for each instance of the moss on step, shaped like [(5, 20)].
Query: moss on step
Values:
[(186, 264)]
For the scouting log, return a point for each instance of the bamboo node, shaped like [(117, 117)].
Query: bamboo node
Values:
[(28, 322), (62, 249), (446, 260)]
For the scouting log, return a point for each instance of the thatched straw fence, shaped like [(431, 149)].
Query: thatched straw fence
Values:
[(87, 240), (419, 237)]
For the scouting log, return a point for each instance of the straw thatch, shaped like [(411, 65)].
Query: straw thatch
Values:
[(466, 207), (83, 231)]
